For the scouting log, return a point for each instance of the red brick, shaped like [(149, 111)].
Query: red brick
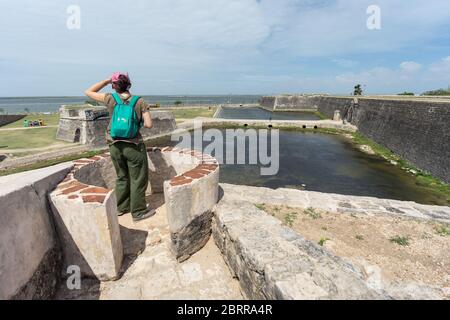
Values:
[(206, 166), (180, 182), (82, 161), (177, 178), (77, 187), (95, 190), (73, 196), (67, 184), (203, 171), (192, 174), (95, 158), (94, 198)]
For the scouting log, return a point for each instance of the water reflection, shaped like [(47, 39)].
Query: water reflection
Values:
[(332, 164)]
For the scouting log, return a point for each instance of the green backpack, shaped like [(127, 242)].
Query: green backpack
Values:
[(124, 122)]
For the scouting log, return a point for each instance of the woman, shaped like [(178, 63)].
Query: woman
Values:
[(128, 152)]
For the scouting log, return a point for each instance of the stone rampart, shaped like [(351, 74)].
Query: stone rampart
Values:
[(414, 129), (9, 118), (30, 257)]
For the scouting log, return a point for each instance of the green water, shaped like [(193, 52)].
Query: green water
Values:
[(330, 163)]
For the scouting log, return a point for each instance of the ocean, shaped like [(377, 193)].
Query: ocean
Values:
[(16, 105)]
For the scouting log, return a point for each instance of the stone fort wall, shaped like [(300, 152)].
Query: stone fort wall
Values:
[(9, 118), (417, 131)]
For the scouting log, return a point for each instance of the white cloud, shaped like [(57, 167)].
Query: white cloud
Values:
[(410, 66), (204, 45), (441, 67), (409, 76)]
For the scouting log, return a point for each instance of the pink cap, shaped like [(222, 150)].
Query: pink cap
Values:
[(115, 76)]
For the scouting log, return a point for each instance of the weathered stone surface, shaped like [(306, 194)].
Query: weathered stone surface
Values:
[(28, 251), (273, 262), (89, 232), (9, 118), (44, 282), (155, 274), (84, 124), (415, 129), (87, 124), (336, 202), (189, 208), (193, 237), (163, 123)]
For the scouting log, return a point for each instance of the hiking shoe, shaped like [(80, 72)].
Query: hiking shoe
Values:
[(122, 213), (146, 214)]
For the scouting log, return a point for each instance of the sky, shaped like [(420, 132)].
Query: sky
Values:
[(190, 47)]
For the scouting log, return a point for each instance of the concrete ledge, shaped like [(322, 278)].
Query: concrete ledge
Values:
[(29, 254), (301, 124), (337, 202), (273, 262)]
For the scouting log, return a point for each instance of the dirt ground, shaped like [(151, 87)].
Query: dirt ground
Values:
[(408, 258)]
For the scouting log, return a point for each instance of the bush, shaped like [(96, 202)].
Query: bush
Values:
[(178, 102), (406, 94), (92, 102), (439, 92), (358, 90)]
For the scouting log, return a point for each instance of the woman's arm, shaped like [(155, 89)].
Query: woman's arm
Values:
[(147, 119), (93, 91)]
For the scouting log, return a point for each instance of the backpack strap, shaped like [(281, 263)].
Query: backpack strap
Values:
[(133, 101), (117, 98)]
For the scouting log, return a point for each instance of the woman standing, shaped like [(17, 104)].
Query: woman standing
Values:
[(128, 151)]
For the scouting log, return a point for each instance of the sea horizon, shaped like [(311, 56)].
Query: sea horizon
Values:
[(32, 104)]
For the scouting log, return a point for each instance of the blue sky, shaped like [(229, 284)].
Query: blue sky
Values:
[(225, 46)]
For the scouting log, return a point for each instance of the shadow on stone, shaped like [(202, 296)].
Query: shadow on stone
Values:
[(133, 245), (90, 285), (193, 237), (155, 201), (221, 194)]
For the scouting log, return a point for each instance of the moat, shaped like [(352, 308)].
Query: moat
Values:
[(331, 164)]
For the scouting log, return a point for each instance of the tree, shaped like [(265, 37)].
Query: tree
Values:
[(358, 90), (2, 110), (406, 94), (27, 110), (178, 102), (439, 92)]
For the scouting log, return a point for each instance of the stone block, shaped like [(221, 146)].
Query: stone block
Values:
[(89, 231), (273, 262), (189, 202)]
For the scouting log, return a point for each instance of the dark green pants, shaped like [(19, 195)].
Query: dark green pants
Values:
[(130, 162)]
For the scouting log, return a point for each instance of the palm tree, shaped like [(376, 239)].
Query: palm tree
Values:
[(358, 91)]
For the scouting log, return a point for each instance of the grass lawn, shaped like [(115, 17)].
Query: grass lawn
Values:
[(193, 113), (49, 120), (47, 163), (32, 138)]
